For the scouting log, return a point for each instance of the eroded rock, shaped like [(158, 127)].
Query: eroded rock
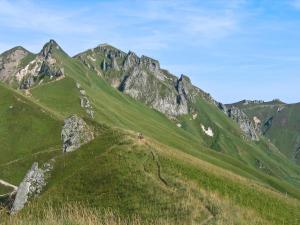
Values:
[(31, 185), (75, 133), (244, 122), (85, 102), (9, 62)]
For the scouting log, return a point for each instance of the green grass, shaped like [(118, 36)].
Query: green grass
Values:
[(285, 129), (178, 174), (26, 60), (4, 189), (26, 129), (115, 109)]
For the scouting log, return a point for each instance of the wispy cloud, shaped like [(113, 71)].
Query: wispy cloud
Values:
[(152, 25), (30, 15)]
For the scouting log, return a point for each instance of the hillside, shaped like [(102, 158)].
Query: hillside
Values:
[(187, 163), (279, 122)]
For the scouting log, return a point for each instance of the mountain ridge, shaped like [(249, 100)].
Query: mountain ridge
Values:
[(139, 161)]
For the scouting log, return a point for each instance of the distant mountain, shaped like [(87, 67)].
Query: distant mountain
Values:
[(108, 131), (278, 121)]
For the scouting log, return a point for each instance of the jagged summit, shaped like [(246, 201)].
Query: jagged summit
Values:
[(22, 69), (49, 49), (143, 79)]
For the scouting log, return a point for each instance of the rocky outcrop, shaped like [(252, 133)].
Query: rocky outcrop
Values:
[(75, 133), (131, 60), (144, 80), (44, 65), (257, 124), (149, 63), (247, 102), (10, 62), (244, 122), (14, 69), (31, 185), (85, 102), (161, 96)]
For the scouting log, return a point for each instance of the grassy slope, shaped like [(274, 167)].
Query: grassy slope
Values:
[(26, 133), (123, 174), (120, 172), (285, 129), (115, 109), (227, 137)]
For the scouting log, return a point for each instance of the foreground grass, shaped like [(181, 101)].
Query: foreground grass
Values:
[(67, 215)]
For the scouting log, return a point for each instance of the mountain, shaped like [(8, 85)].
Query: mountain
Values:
[(24, 69), (108, 130), (143, 79), (277, 121)]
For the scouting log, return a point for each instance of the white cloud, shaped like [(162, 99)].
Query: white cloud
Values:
[(153, 25), (31, 16)]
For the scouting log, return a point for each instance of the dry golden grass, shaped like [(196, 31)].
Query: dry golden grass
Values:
[(68, 214)]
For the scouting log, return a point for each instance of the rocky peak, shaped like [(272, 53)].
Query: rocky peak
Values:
[(131, 60), (45, 64), (110, 51), (149, 63), (185, 79), (186, 89), (47, 50)]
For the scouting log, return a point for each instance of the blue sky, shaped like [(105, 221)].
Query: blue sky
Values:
[(233, 49)]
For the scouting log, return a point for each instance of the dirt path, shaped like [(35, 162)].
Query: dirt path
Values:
[(6, 184)]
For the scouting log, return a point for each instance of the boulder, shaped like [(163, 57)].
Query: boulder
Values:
[(31, 185), (75, 133)]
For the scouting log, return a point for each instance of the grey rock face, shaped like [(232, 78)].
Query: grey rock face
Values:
[(31, 185), (244, 122), (131, 60), (75, 133), (114, 63), (144, 80), (150, 64), (161, 96)]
